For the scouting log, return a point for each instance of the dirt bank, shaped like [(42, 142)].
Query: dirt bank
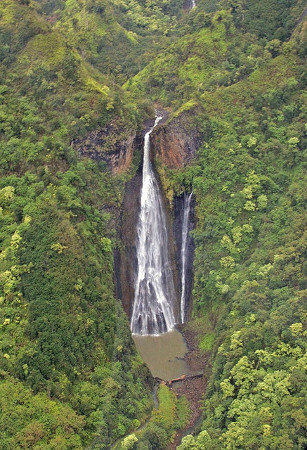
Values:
[(193, 388)]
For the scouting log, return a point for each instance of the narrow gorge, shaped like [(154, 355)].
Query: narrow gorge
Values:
[(156, 264)]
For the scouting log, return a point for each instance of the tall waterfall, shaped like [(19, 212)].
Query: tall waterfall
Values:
[(193, 2), (184, 250), (153, 307)]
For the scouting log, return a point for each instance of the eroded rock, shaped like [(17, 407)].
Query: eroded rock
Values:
[(176, 142), (114, 144)]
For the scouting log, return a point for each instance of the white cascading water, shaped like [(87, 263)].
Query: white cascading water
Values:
[(184, 251), (154, 298), (193, 4)]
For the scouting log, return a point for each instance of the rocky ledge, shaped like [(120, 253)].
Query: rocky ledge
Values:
[(114, 144), (177, 140)]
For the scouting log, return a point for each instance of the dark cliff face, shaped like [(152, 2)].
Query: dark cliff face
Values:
[(114, 144), (176, 142), (125, 257)]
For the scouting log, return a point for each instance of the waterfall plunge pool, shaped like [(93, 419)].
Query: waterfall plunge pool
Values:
[(163, 354)]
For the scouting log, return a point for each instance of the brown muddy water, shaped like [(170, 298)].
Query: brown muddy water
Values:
[(163, 354)]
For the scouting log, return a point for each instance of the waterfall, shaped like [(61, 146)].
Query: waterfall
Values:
[(184, 250), (154, 295), (193, 2)]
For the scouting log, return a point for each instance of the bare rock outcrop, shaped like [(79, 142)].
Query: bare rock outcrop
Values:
[(176, 142), (114, 144)]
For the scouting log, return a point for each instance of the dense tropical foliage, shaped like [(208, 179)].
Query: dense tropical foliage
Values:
[(69, 372)]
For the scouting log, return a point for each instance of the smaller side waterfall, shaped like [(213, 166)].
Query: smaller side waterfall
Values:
[(184, 251)]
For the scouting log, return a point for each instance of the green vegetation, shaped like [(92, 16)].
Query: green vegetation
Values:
[(70, 376), (249, 261), (69, 369), (249, 256), (171, 415)]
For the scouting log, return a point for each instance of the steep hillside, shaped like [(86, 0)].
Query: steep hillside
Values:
[(117, 37), (249, 285), (214, 49), (250, 240), (64, 374)]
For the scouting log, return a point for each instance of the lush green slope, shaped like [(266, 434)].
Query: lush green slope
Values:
[(68, 364), (118, 37), (250, 286), (213, 49), (250, 245)]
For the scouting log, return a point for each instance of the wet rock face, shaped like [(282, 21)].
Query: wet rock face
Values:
[(113, 144), (178, 212), (177, 141), (125, 258)]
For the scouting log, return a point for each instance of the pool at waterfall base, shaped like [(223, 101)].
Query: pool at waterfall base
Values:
[(163, 354)]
